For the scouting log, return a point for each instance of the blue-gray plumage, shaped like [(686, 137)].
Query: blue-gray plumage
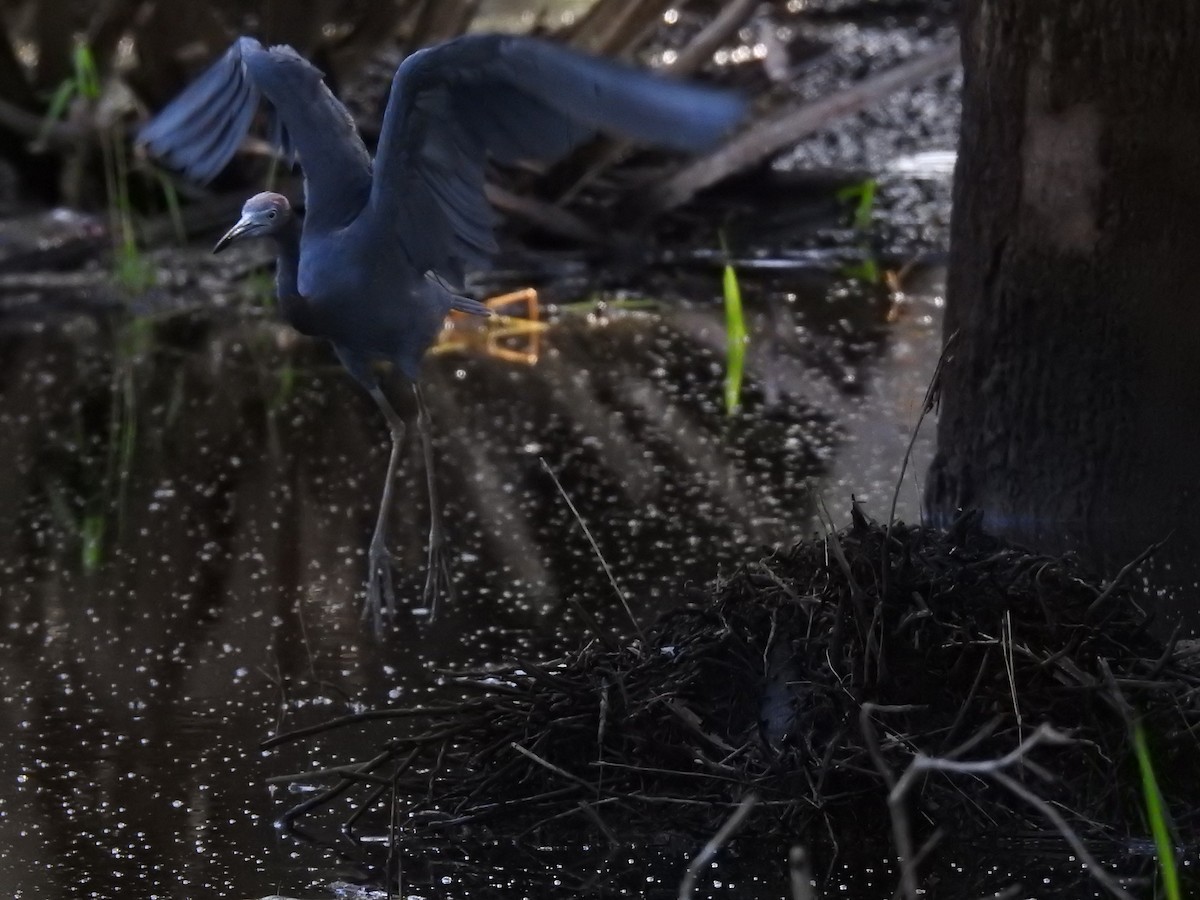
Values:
[(375, 264)]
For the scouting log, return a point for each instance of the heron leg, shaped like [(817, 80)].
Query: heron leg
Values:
[(381, 595), (437, 576)]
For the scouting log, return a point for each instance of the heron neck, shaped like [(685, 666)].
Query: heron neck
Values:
[(287, 263)]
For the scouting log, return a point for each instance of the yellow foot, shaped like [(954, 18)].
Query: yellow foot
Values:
[(513, 334)]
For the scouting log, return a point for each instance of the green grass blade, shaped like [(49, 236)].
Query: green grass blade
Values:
[(92, 539), (87, 76), (735, 339), (863, 195), (1156, 812)]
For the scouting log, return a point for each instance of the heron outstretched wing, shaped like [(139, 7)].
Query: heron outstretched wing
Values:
[(199, 131), (511, 98)]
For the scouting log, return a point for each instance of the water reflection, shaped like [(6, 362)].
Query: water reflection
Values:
[(186, 511)]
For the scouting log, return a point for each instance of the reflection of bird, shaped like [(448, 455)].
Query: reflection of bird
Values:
[(374, 265)]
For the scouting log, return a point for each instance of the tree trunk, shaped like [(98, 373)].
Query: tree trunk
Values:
[(1070, 410)]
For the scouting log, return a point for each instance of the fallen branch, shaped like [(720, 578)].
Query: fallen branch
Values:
[(994, 769), (787, 127), (688, 883)]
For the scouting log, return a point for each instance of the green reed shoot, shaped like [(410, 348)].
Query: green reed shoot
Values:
[(92, 542), (1156, 812), (736, 337), (862, 195), (129, 268)]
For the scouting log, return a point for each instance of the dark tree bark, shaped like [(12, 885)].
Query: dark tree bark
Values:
[(1070, 410)]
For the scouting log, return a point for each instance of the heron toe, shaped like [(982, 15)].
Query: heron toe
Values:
[(437, 577), (381, 594)]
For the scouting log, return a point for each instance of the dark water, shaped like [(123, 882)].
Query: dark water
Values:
[(187, 505)]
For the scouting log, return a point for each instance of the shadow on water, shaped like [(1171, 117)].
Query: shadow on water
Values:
[(188, 503)]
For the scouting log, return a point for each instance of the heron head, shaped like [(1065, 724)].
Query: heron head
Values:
[(263, 215)]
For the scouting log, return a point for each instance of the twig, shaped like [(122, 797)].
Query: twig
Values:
[(687, 884), (1124, 573), (393, 840), (928, 404), (1010, 664), (991, 768), (366, 716), (596, 549), (1093, 866), (546, 764)]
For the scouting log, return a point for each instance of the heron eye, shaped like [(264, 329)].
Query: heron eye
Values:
[(271, 214)]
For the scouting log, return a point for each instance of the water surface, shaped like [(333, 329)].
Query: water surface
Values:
[(188, 502)]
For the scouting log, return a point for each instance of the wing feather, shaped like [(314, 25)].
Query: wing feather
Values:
[(511, 98), (200, 130)]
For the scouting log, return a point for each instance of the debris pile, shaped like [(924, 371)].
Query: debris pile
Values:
[(818, 680)]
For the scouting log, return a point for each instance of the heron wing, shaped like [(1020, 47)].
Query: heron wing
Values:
[(199, 131), (511, 98)]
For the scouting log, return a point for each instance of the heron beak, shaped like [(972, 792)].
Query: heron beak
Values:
[(241, 229)]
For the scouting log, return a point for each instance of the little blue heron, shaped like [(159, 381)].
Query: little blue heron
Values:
[(378, 260)]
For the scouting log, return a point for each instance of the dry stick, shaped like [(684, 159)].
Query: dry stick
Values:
[(928, 404), (589, 809), (586, 807), (857, 594), (347, 827), (589, 622), (393, 848), (962, 710), (288, 819), (367, 716), (1124, 573), (787, 127), (546, 764), (674, 773), (923, 851), (687, 884), (864, 623), (993, 768), (348, 771), (1093, 866), (596, 549), (1168, 652), (901, 833), (477, 813), (1010, 665)]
